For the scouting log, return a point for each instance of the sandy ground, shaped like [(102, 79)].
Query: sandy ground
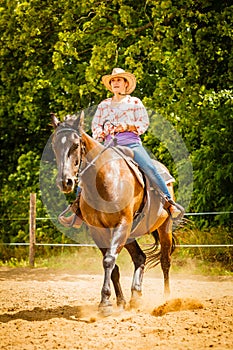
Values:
[(46, 309)]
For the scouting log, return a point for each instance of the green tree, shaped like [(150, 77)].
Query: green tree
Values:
[(53, 54)]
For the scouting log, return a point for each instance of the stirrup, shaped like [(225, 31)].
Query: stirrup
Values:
[(167, 206), (63, 213), (75, 206)]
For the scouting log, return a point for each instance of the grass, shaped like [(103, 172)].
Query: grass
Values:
[(201, 260), (88, 260), (82, 259), (196, 266)]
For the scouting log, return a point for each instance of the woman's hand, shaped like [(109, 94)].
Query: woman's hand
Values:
[(132, 128), (101, 137), (125, 127), (121, 127)]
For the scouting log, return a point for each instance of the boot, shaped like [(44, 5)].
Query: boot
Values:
[(75, 219), (175, 210), (75, 205), (70, 221)]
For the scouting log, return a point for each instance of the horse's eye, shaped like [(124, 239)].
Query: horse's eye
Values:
[(72, 149)]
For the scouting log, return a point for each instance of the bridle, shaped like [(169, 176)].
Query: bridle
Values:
[(78, 145), (81, 147)]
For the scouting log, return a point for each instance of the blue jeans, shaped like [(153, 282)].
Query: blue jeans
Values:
[(144, 161)]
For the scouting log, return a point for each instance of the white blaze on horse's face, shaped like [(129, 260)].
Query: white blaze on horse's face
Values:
[(67, 150), (63, 140)]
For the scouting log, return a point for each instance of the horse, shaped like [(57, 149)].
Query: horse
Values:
[(112, 195)]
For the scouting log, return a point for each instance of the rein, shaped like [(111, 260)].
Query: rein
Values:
[(103, 150), (82, 149), (95, 159)]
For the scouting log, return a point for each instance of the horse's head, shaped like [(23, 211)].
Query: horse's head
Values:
[(67, 146)]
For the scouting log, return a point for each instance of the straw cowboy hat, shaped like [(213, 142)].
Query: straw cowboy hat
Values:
[(120, 73)]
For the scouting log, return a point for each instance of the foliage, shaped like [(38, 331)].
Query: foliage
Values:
[(53, 54), (209, 244)]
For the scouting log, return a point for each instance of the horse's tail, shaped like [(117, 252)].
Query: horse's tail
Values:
[(153, 253)]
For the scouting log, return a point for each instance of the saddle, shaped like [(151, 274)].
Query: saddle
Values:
[(151, 206), (128, 155)]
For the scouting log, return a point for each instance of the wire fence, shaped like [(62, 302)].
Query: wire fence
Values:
[(93, 245), (186, 214)]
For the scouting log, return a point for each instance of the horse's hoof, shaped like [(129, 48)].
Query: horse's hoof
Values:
[(120, 308), (167, 295), (105, 310), (166, 291), (134, 303), (121, 305), (136, 300)]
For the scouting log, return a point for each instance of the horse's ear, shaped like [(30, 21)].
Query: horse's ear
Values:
[(79, 122), (55, 120)]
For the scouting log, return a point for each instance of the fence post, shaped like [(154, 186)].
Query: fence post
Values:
[(32, 229)]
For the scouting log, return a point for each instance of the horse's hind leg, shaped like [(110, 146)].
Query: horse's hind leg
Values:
[(165, 237), (139, 259), (115, 277)]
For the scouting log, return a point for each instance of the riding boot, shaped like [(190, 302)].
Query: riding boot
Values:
[(75, 219), (175, 210), (75, 205)]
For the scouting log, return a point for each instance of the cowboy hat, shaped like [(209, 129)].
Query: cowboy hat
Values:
[(120, 73)]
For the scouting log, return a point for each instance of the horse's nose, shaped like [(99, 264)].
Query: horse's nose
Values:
[(65, 185)]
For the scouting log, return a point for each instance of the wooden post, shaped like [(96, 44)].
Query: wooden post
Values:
[(32, 229)]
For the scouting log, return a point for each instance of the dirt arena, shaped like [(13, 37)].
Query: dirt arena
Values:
[(47, 309)]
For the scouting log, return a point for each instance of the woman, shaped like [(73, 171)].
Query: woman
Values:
[(125, 118)]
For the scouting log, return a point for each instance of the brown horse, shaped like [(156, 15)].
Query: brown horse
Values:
[(111, 198)]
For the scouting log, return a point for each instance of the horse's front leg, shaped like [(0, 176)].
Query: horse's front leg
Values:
[(109, 261), (119, 238), (115, 277)]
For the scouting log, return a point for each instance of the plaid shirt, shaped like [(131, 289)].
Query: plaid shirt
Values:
[(129, 111)]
